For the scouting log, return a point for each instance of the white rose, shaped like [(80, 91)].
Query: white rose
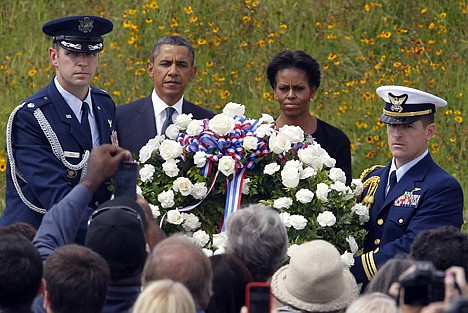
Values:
[(170, 149), (337, 174), (175, 217), (191, 222), (145, 153), (298, 221), (147, 172), (284, 216), (199, 158), (295, 134), (170, 168), (290, 177), (341, 188), (322, 192), (227, 165), (246, 186), (166, 198), (358, 186), (352, 244), (362, 211), (264, 130), (291, 249), (267, 118), (347, 259), (219, 251), (308, 172), (201, 238), (233, 109), (182, 185), (155, 142), (221, 124), (199, 190), (326, 218), (250, 143), (279, 143), (195, 127), (219, 240), (207, 252), (304, 196), (172, 132), (154, 210), (271, 168), (183, 120), (294, 164), (282, 203)]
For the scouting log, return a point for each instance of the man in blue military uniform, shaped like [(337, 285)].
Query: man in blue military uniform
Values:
[(50, 135), (412, 193)]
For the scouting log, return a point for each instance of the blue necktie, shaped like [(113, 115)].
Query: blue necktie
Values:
[(85, 122), (393, 181), (168, 121)]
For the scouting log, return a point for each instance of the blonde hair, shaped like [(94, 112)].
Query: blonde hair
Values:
[(375, 302), (164, 296)]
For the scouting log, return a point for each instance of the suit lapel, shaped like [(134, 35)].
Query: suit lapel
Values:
[(145, 121), (408, 181), (68, 117)]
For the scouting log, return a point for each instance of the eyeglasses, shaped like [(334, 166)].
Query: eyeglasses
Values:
[(120, 207)]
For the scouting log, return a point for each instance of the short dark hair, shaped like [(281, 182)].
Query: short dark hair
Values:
[(77, 280), (444, 246), (388, 274), (20, 272), (230, 277), (294, 59), (174, 41), (427, 119), (24, 229)]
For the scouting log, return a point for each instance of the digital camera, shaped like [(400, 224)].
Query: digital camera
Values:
[(423, 286)]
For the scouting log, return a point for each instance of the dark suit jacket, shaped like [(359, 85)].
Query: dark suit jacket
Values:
[(45, 179), (136, 122), (425, 197)]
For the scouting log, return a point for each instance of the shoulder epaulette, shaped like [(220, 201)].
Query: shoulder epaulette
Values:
[(371, 184), (369, 170)]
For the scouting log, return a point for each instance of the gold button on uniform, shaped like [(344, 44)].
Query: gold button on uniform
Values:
[(400, 221), (380, 221), (377, 241)]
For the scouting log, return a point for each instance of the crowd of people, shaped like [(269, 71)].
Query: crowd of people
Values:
[(67, 246)]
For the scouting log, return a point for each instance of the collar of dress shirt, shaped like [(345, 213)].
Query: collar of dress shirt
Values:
[(159, 105), (73, 102), (405, 168)]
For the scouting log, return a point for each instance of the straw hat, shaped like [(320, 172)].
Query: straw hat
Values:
[(316, 280)]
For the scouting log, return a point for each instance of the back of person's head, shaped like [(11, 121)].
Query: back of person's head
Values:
[(117, 232), (388, 274), (230, 277), (24, 229), (373, 303), (20, 272), (444, 246), (179, 259), (296, 60), (76, 280), (259, 238), (164, 296), (315, 280)]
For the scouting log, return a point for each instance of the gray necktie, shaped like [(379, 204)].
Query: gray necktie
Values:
[(169, 111)]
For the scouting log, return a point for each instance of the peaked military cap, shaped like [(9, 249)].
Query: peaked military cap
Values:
[(79, 33), (406, 105)]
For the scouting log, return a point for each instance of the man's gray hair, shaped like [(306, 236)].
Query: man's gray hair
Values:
[(259, 238), (174, 41)]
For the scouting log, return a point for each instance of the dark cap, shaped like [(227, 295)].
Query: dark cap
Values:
[(116, 230), (406, 105), (79, 33)]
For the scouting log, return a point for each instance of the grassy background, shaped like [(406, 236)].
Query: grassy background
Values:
[(360, 46)]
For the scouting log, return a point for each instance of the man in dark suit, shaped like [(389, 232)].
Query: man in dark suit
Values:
[(412, 193), (171, 67), (50, 135)]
